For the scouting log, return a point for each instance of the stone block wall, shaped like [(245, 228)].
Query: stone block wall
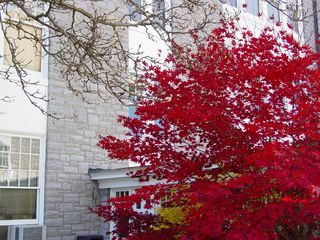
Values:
[(71, 151)]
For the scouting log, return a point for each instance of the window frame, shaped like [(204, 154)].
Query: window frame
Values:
[(44, 60), (4, 162), (37, 52), (135, 95), (40, 188), (258, 10)]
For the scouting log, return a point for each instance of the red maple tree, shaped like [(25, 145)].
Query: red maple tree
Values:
[(231, 132)]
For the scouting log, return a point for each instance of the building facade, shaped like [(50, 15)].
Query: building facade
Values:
[(311, 23), (51, 170)]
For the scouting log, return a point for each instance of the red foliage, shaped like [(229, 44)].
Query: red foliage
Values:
[(233, 128)]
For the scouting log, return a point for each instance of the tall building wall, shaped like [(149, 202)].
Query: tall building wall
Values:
[(71, 151)]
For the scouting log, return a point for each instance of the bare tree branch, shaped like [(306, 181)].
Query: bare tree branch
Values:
[(88, 40)]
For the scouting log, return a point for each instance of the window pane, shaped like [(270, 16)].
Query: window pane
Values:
[(15, 144), (25, 145), (3, 178), (35, 162), (122, 193), (35, 147), (4, 151), (34, 176), (27, 49), (132, 111), (18, 204), (4, 143), (14, 178), (4, 159), (133, 97), (15, 160), (24, 180), (253, 7), (24, 163)]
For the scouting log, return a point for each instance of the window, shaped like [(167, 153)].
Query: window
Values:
[(134, 11), (122, 193), (19, 180), (27, 49), (18, 204), (135, 95), (24, 36), (232, 3), (132, 107), (158, 8), (273, 11), (4, 152), (253, 7)]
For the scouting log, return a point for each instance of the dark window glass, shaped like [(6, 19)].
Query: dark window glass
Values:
[(3, 232), (18, 204), (133, 97)]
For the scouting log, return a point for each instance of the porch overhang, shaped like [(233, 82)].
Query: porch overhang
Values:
[(117, 178)]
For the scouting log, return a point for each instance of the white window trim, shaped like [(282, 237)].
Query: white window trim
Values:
[(42, 75), (40, 189)]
